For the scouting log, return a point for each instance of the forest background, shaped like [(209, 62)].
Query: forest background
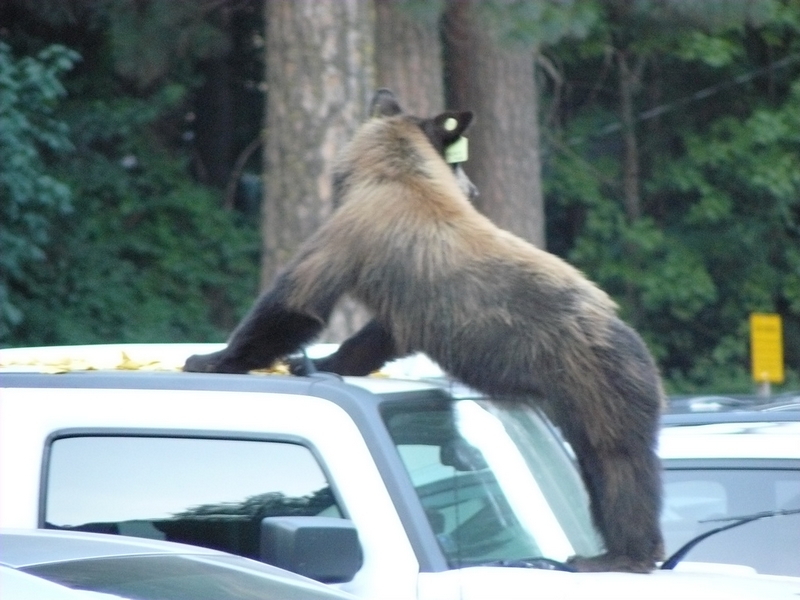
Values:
[(161, 159)]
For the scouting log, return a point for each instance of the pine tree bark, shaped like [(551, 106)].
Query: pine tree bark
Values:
[(215, 123), (497, 81), (408, 57), (319, 77), (629, 83)]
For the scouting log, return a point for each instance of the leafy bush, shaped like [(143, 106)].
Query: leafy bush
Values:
[(144, 253), (148, 255), (30, 198), (723, 240)]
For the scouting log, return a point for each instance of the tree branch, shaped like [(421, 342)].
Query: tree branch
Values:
[(236, 173)]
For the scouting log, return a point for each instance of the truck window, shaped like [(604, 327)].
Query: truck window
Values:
[(203, 491), (495, 482)]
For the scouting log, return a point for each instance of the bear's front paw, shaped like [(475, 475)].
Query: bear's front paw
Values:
[(217, 362), (299, 364), (201, 363)]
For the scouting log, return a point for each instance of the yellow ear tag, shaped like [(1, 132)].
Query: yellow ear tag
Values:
[(450, 124), (457, 152)]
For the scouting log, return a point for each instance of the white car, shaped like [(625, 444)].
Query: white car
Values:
[(381, 487), (71, 565), (737, 471)]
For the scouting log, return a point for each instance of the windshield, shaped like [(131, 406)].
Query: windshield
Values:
[(495, 481), (699, 499)]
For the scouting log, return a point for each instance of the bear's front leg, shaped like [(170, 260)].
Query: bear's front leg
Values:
[(270, 331), (362, 353)]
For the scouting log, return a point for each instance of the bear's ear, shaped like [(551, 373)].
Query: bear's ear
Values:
[(384, 104), (450, 125)]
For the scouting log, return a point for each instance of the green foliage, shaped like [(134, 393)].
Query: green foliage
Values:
[(124, 245), (538, 23), (741, 182), (147, 255), (714, 50), (143, 39), (720, 174), (30, 198)]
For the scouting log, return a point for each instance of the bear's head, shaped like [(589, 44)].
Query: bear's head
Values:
[(444, 131)]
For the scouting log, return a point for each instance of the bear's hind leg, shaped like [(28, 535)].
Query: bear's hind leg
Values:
[(624, 485), (622, 474)]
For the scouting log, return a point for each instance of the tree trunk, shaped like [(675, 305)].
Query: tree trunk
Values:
[(319, 77), (408, 57), (628, 86), (215, 123), (629, 83), (497, 81)]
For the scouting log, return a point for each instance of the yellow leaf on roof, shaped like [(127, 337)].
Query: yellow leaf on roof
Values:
[(128, 364)]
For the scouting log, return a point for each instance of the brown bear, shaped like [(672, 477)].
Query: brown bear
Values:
[(494, 311)]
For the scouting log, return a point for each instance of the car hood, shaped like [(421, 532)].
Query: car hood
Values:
[(485, 583)]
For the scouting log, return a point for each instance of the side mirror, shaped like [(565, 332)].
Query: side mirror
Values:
[(322, 548)]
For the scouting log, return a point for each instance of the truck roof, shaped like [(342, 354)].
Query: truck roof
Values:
[(158, 366)]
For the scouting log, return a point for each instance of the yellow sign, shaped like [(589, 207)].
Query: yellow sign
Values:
[(766, 347)]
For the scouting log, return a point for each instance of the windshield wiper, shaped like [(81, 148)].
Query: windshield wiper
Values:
[(548, 564), (678, 556)]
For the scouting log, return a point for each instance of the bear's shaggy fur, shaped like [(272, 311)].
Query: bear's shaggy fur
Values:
[(494, 311)]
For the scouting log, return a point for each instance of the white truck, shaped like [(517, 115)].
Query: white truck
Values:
[(386, 488)]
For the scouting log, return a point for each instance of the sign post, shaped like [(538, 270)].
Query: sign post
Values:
[(766, 350)]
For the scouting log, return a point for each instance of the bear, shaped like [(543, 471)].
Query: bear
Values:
[(497, 313)]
